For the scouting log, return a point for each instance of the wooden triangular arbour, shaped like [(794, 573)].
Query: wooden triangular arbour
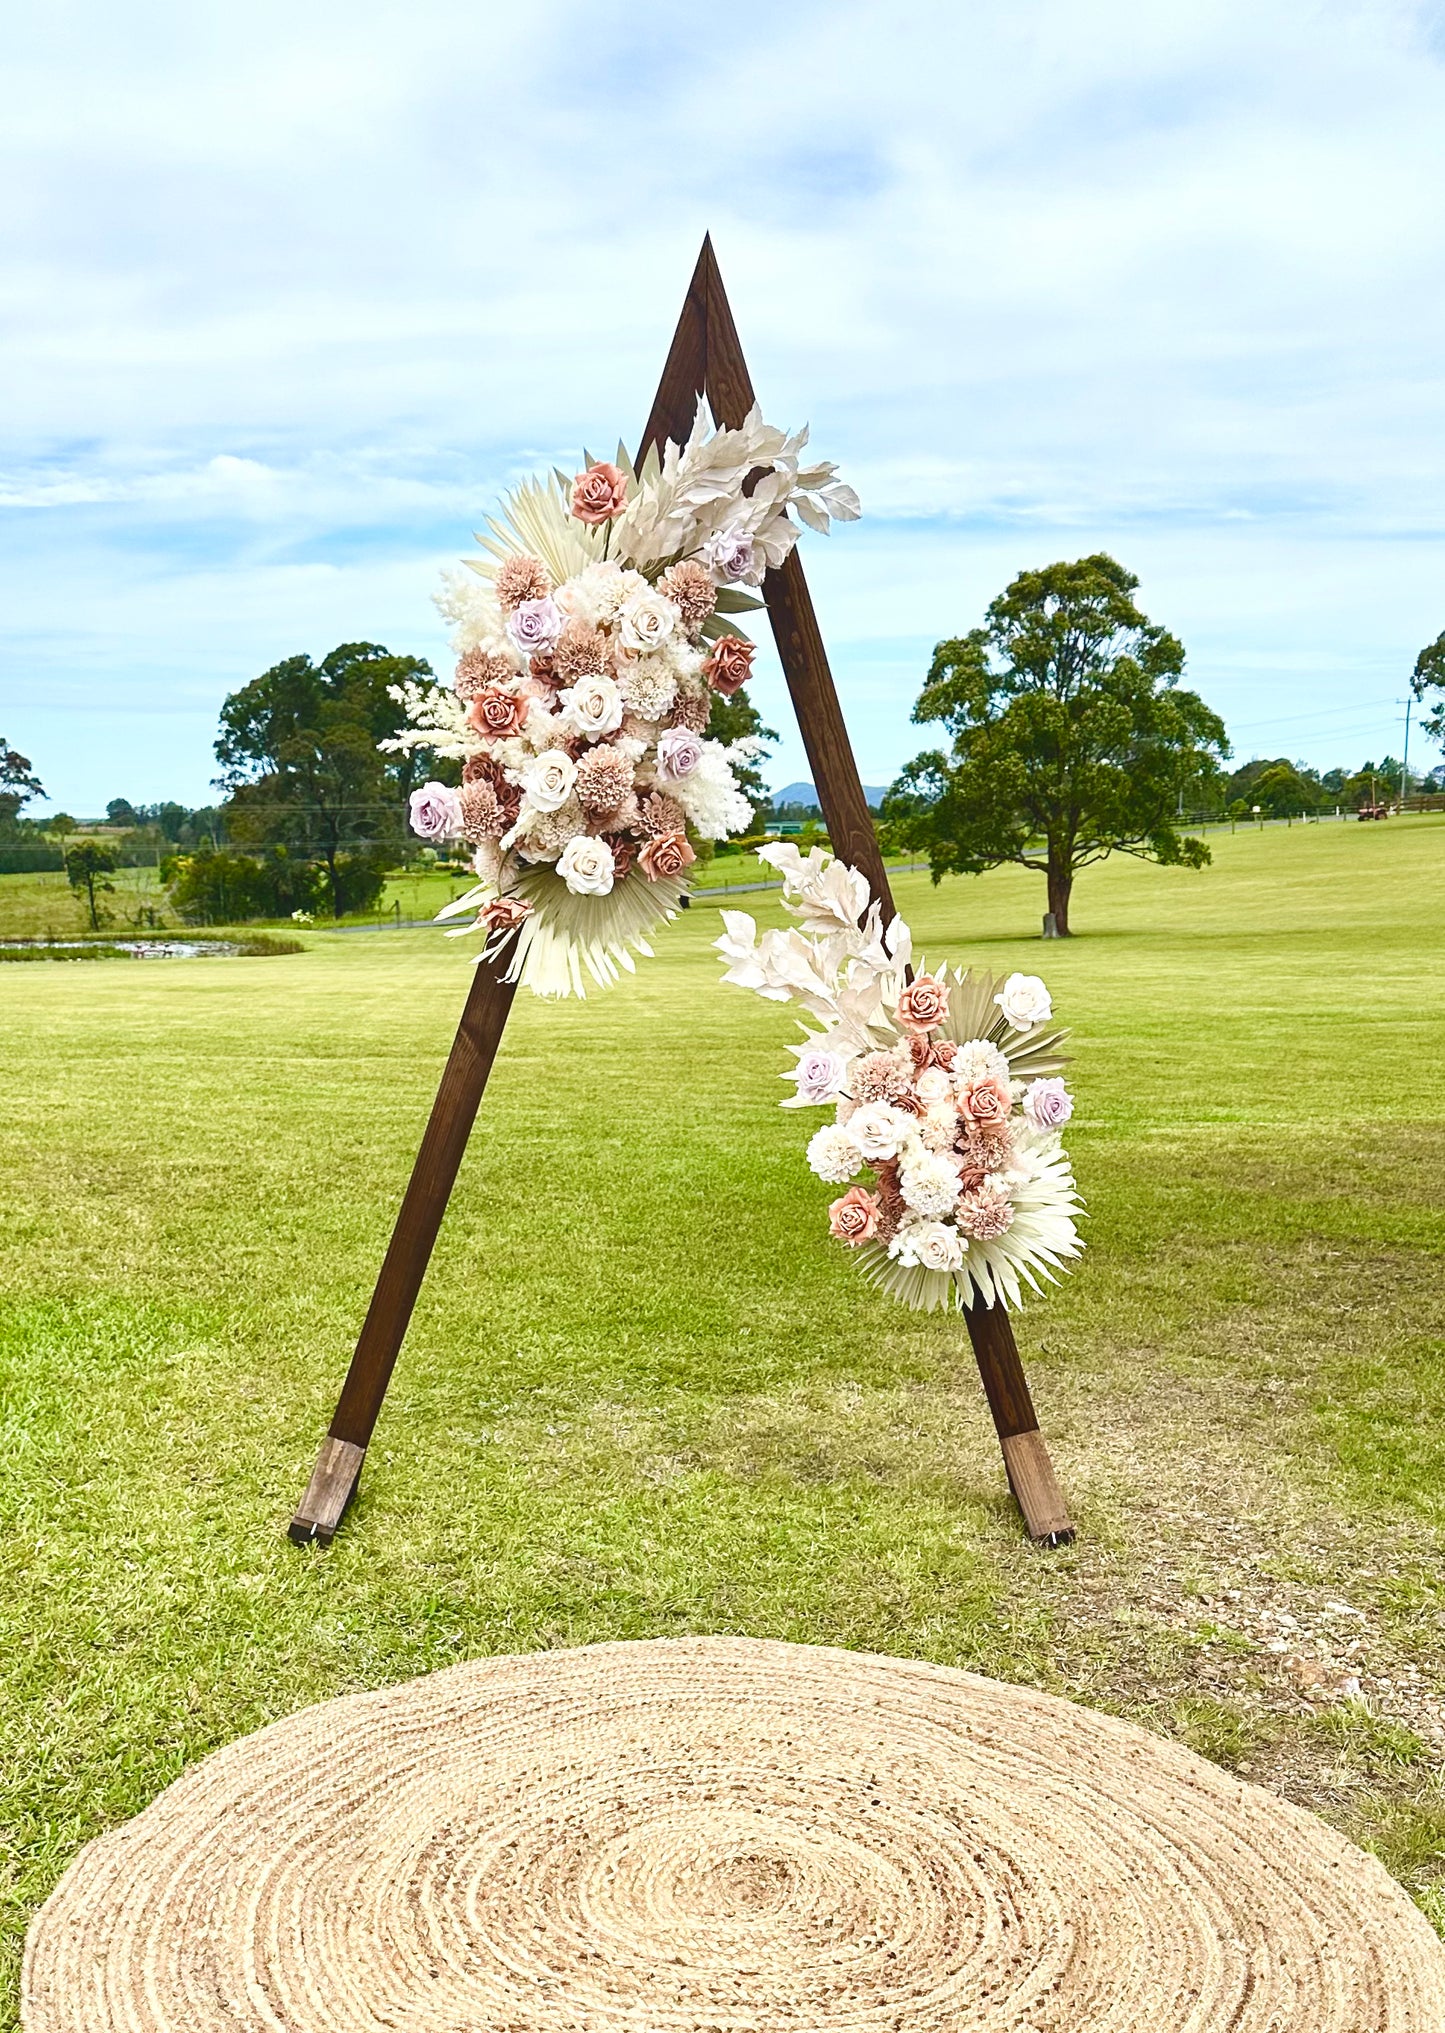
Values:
[(705, 358)]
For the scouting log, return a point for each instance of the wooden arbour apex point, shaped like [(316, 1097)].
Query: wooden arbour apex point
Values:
[(706, 358)]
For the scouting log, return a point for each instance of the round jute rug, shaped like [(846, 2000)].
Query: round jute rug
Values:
[(722, 1834)]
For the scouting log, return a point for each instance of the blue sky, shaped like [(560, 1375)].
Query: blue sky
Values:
[(288, 293)]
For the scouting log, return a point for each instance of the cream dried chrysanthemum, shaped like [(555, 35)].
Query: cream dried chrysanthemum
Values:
[(929, 1184), (648, 685), (604, 778), (547, 833), (833, 1155)]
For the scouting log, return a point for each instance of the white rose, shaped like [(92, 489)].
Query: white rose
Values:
[(593, 706), (878, 1129), (549, 779), (929, 1184), (647, 621), (833, 1155), (1024, 1001), (936, 1246), (586, 866), (933, 1084)]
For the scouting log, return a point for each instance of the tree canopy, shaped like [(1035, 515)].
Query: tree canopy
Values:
[(1071, 739), (18, 783), (1429, 676), (302, 768)]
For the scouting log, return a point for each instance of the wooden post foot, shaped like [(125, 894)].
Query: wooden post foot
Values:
[(1036, 1488), (330, 1490)]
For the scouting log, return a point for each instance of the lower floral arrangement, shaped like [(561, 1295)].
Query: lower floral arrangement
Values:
[(944, 1089)]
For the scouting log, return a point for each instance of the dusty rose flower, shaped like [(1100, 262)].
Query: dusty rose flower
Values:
[(599, 493), (604, 777), (624, 853), (691, 591), (660, 815), (1048, 1104), (691, 709), (854, 1218), (497, 712), (730, 665), (679, 751), (504, 913), (535, 625), (436, 812), (477, 670), (521, 577), (581, 652), (923, 1005), (543, 671), (986, 1102), (932, 1052), (668, 854)]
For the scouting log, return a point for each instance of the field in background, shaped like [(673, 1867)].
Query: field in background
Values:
[(644, 1395)]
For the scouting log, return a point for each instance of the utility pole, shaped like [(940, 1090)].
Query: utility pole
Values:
[(1405, 759)]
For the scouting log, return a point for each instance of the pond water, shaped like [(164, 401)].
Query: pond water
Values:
[(116, 949)]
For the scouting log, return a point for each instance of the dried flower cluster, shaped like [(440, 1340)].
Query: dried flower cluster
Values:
[(942, 1089), (590, 644)]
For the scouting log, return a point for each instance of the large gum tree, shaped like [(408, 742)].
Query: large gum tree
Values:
[(1071, 738)]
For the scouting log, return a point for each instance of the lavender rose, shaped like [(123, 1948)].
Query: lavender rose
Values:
[(1048, 1104), (819, 1075), (436, 812), (535, 626), (679, 751), (729, 555)]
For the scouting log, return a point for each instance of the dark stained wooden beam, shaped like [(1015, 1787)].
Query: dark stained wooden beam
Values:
[(333, 1480)]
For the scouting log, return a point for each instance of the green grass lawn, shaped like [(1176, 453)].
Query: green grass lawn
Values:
[(644, 1395)]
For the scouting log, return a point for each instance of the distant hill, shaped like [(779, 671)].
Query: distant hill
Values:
[(804, 794)]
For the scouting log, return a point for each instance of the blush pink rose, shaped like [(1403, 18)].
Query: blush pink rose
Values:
[(504, 913), (986, 1102), (668, 854), (599, 494), (497, 712), (923, 1005), (854, 1218)]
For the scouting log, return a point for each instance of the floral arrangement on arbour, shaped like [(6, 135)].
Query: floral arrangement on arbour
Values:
[(943, 1085), (591, 638)]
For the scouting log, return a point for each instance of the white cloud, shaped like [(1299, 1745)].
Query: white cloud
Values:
[(287, 293)]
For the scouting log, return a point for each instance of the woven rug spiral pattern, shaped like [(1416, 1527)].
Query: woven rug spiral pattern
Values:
[(722, 1835)]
